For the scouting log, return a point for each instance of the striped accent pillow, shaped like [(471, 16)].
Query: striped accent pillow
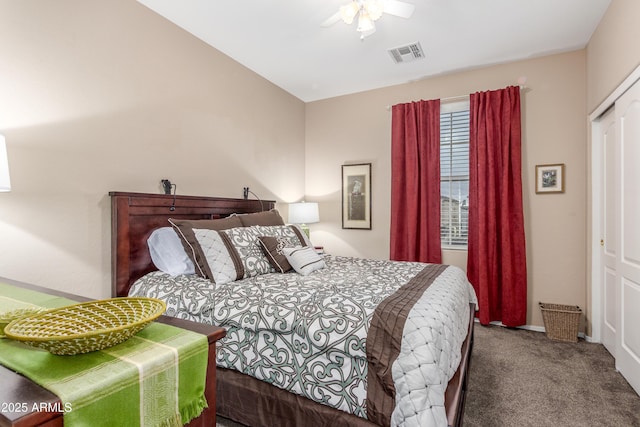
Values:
[(304, 260)]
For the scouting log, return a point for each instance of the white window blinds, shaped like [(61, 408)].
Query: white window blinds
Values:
[(454, 175)]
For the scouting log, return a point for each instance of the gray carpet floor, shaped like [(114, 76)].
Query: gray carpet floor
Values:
[(521, 378)]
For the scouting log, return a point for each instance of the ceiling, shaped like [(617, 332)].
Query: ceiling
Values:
[(284, 42)]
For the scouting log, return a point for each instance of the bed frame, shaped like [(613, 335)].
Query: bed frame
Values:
[(239, 397)]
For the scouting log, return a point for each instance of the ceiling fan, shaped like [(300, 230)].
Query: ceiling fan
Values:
[(367, 12)]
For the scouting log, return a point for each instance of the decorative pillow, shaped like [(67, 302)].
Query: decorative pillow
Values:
[(291, 232), (272, 248), (271, 217), (184, 230), (232, 254), (304, 260), (221, 266), (168, 254)]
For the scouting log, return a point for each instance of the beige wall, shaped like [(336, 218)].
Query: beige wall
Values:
[(99, 96), (613, 51), (357, 128)]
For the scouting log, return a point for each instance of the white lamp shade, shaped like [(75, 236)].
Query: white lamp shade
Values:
[(5, 182), (374, 8), (303, 213), (365, 23), (348, 12)]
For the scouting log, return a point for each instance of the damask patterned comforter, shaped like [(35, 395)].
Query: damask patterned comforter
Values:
[(308, 334)]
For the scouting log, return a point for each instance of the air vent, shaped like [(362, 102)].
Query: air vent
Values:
[(407, 53)]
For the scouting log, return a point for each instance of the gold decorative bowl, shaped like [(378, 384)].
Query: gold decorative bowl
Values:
[(86, 327)]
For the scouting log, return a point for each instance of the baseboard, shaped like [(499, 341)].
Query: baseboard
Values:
[(537, 329)]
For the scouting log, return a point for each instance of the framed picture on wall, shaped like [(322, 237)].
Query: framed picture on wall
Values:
[(550, 178), (356, 196)]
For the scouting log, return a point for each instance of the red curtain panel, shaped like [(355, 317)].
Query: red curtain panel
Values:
[(415, 182), (496, 265)]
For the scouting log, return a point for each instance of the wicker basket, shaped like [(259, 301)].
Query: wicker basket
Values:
[(561, 321), (86, 327)]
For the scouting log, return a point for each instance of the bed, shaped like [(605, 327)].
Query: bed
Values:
[(273, 401)]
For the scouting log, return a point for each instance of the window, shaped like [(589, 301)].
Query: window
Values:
[(454, 174)]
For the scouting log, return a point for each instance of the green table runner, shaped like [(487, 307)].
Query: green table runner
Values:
[(156, 378)]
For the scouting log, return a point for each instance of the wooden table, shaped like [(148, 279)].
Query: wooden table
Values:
[(21, 399)]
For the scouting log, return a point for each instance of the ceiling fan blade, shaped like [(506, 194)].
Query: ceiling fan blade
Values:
[(398, 8), (331, 20)]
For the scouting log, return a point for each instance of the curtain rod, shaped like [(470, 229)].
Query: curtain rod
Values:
[(456, 98)]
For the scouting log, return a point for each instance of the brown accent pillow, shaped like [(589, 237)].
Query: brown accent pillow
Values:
[(184, 229), (271, 217), (272, 248)]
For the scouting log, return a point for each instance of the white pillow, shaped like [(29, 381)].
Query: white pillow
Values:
[(304, 260), (168, 254)]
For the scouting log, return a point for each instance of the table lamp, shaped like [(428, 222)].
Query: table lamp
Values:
[(303, 213)]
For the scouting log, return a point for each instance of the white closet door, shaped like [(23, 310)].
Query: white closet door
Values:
[(609, 220), (627, 355)]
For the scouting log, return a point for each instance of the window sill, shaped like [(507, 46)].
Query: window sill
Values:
[(454, 248)]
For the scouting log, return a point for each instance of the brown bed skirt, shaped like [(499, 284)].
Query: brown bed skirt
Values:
[(252, 402)]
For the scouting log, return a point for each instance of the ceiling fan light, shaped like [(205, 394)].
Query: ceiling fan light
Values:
[(365, 23), (349, 11), (374, 8)]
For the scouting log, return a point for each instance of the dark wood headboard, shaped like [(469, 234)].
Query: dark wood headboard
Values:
[(134, 216)]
